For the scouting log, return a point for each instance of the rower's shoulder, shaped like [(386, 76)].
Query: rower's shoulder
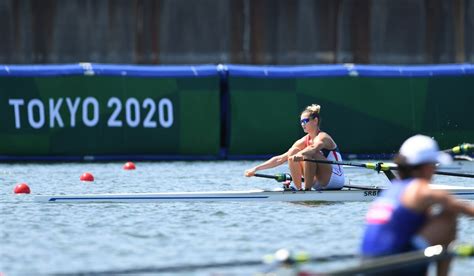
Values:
[(323, 135), (423, 192), (328, 140)]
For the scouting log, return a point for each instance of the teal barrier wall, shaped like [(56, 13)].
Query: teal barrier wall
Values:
[(366, 109), (66, 112), (110, 111)]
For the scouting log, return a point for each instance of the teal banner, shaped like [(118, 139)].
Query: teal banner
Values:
[(109, 115), (364, 114)]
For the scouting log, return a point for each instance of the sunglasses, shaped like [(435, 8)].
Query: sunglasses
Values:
[(304, 121)]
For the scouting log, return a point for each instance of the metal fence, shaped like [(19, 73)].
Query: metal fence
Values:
[(237, 31)]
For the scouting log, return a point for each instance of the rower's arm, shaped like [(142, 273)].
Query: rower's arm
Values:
[(280, 159), (450, 203), (277, 160), (320, 142), (272, 162)]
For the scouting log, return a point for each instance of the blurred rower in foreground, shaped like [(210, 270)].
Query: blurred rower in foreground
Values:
[(410, 215), (316, 145)]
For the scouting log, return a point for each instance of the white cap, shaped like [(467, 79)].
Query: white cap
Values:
[(421, 149)]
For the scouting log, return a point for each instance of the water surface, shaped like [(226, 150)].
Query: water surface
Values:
[(42, 238)]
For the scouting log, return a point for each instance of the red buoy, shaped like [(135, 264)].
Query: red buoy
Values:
[(87, 177), (129, 166), (22, 188)]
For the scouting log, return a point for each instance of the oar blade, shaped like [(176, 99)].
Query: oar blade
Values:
[(464, 148)]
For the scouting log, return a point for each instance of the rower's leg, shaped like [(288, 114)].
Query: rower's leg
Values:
[(441, 229), (296, 169), (317, 171)]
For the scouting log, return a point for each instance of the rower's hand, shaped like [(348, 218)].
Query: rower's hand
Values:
[(297, 157), (250, 172)]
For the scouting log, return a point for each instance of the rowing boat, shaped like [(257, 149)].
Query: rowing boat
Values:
[(346, 194)]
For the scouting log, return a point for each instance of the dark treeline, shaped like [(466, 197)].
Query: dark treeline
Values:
[(237, 31)]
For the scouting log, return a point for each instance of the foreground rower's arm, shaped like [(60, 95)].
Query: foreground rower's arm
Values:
[(422, 197), (450, 203)]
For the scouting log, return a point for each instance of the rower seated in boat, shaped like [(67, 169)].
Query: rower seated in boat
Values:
[(402, 219), (315, 145)]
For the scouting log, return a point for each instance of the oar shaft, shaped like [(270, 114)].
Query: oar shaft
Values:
[(383, 264), (379, 166), (429, 254), (266, 176), (292, 260), (280, 177), (455, 174), (335, 163)]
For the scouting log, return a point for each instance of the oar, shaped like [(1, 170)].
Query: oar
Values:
[(429, 254), (282, 177), (379, 166), (281, 257), (461, 152), (455, 174), (285, 257), (382, 167), (461, 149)]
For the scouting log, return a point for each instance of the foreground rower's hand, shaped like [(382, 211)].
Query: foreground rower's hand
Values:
[(250, 172)]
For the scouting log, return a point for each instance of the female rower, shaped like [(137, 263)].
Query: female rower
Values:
[(317, 145), (410, 215)]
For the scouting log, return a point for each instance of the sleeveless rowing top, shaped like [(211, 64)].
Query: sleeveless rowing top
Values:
[(390, 226), (332, 155), (337, 179)]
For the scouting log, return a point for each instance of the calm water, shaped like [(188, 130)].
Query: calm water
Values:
[(39, 238)]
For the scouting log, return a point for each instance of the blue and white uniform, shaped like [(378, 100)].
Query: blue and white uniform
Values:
[(391, 228)]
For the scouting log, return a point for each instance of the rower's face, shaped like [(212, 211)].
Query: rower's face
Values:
[(307, 123)]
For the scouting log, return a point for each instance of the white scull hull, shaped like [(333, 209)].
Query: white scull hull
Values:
[(344, 195)]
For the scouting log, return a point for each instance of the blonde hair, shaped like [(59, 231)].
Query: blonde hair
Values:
[(313, 111)]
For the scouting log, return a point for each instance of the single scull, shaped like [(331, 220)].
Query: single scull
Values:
[(344, 195)]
